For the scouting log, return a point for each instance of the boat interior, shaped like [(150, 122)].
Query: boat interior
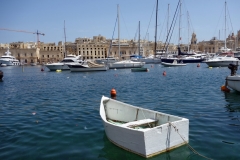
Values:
[(129, 116)]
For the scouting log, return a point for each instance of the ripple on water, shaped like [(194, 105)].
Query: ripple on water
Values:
[(66, 122)]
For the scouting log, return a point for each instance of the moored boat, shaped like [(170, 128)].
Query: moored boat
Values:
[(173, 64), (87, 67), (63, 65), (233, 81), (222, 60), (142, 131), (126, 64), (8, 60)]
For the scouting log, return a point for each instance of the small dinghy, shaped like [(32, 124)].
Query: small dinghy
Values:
[(142, 131), (174, 64)]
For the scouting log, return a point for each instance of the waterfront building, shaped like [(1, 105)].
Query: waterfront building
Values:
[(100, 47)]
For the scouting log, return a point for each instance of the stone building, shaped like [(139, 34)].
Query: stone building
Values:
[(214, 45), (100, 47)]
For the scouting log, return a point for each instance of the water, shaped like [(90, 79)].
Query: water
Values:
[(55, 115)]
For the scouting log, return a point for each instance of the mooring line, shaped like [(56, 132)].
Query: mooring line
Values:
[(194, 151)]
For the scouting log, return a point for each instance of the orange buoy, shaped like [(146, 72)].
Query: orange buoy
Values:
[(113, 93), (198, 65), (225, 89), (164, 73)]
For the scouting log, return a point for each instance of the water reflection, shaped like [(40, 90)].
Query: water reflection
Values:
[(233, 99), (111, 151)]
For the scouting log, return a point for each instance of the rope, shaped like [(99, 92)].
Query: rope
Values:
[(194, 151)]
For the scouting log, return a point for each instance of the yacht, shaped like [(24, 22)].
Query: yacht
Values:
[(8, 60), (63, 65), (222, 60), (87, 66), (126, 64), (148, 60), (106, 60)]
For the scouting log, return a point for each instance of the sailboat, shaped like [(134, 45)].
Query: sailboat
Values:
[(68, 59), (185, 57), (226, 56), (123, 63), (149, 59)]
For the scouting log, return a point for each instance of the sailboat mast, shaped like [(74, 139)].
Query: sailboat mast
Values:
[(118, 32), (155, 48), (167, 27), (225, 26), (64, 41), (188, 30), (168, 21), (139, 39), (180, 16)]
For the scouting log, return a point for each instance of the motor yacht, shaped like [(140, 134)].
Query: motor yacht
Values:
[(222, 60), (63, 65), (106, 60), (8, 60)]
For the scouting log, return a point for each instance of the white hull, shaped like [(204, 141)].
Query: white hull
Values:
[(10, 63), (9, 60), (172, 64), (105, 61), (89, 69), (148, 60), (148, 141), (233, 82), (219, 63), (57, 66), (126, 64)]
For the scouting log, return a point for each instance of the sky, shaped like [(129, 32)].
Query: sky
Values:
[(88, 18)]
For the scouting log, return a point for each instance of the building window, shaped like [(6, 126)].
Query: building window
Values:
[(47, 56), (43, 56)]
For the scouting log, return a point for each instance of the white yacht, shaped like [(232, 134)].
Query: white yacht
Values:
[(63, 65), (148, 60), (222, 60), (126, 64), (225, 56), (106, 60), (8, 60)]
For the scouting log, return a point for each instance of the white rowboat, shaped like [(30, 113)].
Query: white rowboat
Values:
[(142, 131)]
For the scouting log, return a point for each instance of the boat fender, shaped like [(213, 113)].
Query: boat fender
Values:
[(225, 88), (164, 73)]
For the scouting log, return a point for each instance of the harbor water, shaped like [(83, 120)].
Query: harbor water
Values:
[(55, 115)]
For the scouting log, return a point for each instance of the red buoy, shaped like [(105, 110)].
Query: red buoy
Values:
[(164, 73), (225, 88), (113, 93)]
